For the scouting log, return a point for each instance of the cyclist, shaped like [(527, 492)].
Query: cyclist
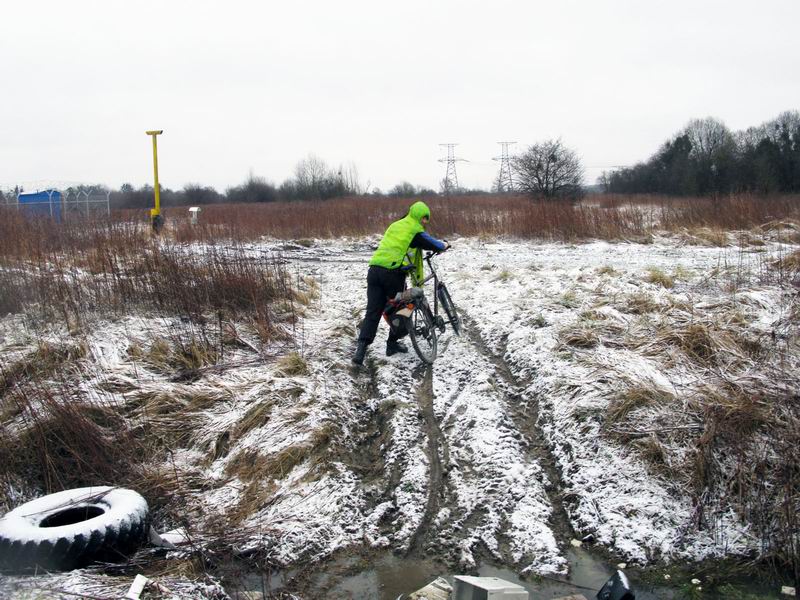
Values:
[(387, 273)]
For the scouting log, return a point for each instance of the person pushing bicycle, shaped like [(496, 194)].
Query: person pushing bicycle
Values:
[(387, 272)]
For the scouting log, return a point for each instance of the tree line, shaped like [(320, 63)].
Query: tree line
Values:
[(705, 158), (312, 179)]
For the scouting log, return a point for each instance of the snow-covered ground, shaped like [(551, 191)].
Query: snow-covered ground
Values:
[(503, 450), (524, 300)]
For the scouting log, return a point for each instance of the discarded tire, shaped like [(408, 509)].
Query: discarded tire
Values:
[(73, 528)]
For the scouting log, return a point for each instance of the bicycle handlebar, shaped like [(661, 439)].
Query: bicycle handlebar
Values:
[(431, 253)]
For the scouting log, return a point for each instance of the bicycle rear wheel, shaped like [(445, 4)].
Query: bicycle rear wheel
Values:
[(449, 308), (422, 331)]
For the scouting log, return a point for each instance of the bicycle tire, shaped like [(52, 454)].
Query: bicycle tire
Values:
[(422, 331), (449, 308)]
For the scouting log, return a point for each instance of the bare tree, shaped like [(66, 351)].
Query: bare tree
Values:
[(350, 179), (708, 136), (404, 189), (549, 170), (605, 181), (309, 174)]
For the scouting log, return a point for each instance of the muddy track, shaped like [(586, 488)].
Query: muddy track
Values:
[(365, 457), (525, 414), (373, 437), (436, 451)]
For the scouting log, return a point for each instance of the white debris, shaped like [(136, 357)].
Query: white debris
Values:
[(137, 587)]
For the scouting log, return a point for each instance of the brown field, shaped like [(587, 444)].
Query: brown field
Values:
[(39, 258)]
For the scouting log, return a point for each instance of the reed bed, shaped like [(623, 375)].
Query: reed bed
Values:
[(603, 217), (610, 217), (71, 271)]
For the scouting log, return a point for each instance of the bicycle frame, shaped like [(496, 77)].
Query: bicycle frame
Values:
[(435, 277)]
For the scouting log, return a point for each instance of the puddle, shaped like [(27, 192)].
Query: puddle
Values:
[(386, 576), (587, 576), (390, 576)]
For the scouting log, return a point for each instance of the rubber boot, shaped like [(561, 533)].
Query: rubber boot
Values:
[(361, 351), (395, 346)]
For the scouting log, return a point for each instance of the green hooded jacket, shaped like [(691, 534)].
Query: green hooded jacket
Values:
[(393, 249)]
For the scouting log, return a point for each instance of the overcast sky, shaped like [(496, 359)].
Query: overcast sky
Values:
[(242, 87)]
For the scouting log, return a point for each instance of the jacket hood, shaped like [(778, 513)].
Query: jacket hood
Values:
[(419, 210)]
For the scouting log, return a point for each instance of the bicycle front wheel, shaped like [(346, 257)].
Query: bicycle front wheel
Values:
[(449, 309), (422, 332)]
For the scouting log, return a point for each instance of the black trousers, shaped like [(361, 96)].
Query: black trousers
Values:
[(382, 284)]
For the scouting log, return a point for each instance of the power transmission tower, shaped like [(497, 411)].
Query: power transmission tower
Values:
[(450, 181), (505, 181)]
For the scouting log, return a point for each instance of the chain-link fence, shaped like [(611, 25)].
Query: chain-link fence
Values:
[(59, 203)]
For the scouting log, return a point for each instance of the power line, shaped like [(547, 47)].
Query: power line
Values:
[(505, 181), (450, 181), (608, 166)]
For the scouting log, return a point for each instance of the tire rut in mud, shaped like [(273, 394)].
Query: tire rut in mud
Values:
[(437, 453), (372, 434), (526, 418)]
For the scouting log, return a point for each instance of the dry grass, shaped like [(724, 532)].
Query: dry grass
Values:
[(606, 217), (257, 416), (634, 397), (681, 273), (653, 453), (607, 270), (42, 362), (72, 271), (58, 438), (706, 236), (101, 246), (58, 441), (788, 265), (262, 472), (251, 465), (170, 355), (754, 239), (569, 299), (732, 444), (536, 321), (307, 290), (484, 215), (658, 277), (579, 336), (592, 315), (640, 304), (695, 339), (729, 438), (292, 365)]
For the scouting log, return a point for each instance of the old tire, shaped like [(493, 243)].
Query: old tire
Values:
[(73, 528)]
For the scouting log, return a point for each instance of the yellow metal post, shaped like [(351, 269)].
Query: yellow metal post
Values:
[(155, 213)]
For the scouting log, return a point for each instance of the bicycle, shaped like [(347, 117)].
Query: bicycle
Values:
[(410, 309)]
